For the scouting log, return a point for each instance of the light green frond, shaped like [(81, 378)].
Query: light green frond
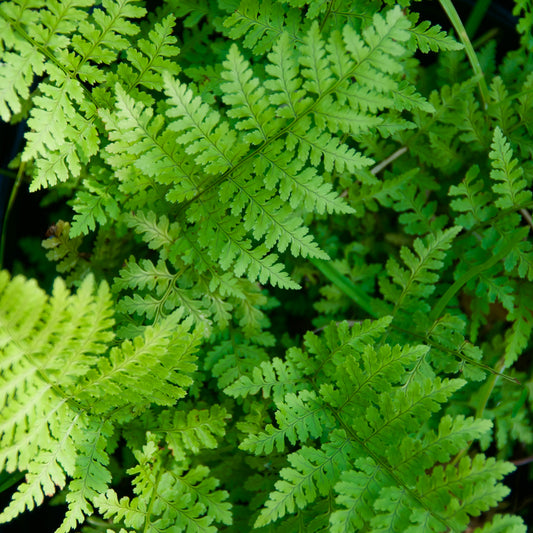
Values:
[(200, 129), (91, 476), (151, 147), (154, 56), (191, 430), (249, 104), (16, 77), (284, 85), (261, 23), (101, 39)]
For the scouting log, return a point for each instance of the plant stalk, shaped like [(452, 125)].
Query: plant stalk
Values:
[(450, 10)]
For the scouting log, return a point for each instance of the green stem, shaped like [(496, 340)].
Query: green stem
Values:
[(8, 173), (472, 272), (489, 387), (10, 204), (469, 49), (8, 480), (363, 301), (345, 285), (476, 16)]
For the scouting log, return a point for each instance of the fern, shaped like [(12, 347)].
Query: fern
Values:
[(65, 394), (361, 408), (225, 176)]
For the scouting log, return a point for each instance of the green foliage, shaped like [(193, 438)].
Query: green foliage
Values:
[(237, 174)]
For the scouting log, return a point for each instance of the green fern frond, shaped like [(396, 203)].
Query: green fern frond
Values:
[(417, 282), (261, 23), (58, 340), (312, 472), (187, 499), (365, 402), (154, 151), (200, 129), (191, 430), (472, 200), (153, 57), (274, 378), (432, 38), (247, 99), (299, 418), (213, 154), (511, 189), (55, 349)]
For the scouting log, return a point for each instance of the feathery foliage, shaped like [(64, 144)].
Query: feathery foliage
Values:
[(232, 175)]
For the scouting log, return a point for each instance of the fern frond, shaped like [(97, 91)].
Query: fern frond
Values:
[(518, 335), (285, 85), (153, 150), (63, 393), (153, 57), (235, 358), (56, 341), (158, 233), (16, 78), (298, 185), (472, 201), (312, 472), (452, 436), (511, 190), (154, 368), (418, 282), (262, 23), (200, 128), (101, 39), (247, 99), (168, 300), (188, 500), (191, 430), (91, 476), (432, 38), (274, 378), (299, 418), (224, 238), (473, 481), (65, 250), (504, 523), (319, 145), (368, 401)]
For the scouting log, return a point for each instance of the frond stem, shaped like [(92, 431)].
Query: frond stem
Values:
[(11, 202), (386, 162), (527, 216), (469, 49), (468, 275), (364, 302)]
